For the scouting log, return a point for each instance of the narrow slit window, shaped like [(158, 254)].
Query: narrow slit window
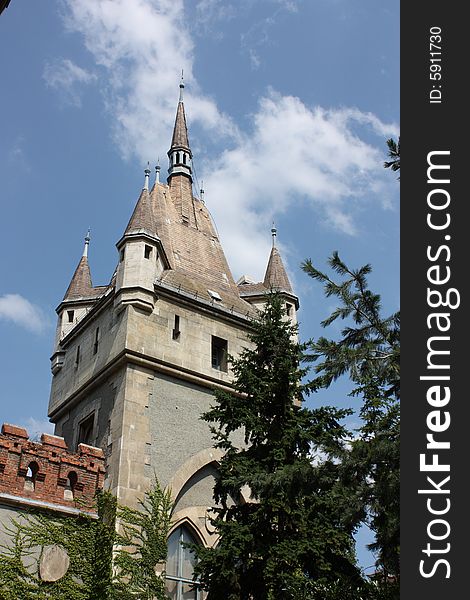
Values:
[(77, 356), (121, 255), (147, 251), (289, 310), (219, 353), (70, 315), (176, 328), (97, 340)]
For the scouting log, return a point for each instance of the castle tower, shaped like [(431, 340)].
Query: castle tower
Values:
[(153, 345)]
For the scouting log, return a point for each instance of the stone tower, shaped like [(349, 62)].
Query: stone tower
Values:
[(136, 362)]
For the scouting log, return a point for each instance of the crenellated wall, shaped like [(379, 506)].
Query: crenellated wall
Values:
[(46, 472)]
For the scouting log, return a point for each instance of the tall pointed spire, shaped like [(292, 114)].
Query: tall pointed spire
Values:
[(80, 284), (180, 154), (276, 276)]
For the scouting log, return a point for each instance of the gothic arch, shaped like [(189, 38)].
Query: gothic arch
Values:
[(191, 466)]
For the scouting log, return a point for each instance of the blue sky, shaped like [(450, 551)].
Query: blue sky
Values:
[(289, 104)]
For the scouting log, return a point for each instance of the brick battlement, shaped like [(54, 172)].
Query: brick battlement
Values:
[(47, 471)]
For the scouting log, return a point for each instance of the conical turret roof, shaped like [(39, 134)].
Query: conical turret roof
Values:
[(80, 285), (276, 276), (142, 218)]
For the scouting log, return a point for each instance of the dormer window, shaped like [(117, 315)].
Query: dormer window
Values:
[(70, 315), (215, 296)]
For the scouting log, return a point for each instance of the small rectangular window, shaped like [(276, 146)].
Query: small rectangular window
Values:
[(97, 340), (289, 310), (85, 430), (70, 315), (147, 251), (121, 255), (219, 353)]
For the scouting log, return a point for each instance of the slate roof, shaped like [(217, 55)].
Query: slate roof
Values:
[(276, 277), (80, 285), (142, 218), (180, 130)]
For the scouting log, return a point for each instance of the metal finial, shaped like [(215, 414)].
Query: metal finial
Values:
[(274, 233), (201, 191), (87, 242), (157, 171), (147, 173), (181, 86)]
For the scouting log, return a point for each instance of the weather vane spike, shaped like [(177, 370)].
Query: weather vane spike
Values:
[(181, 86), (201, 191), (87, 242), (147, 173), (157, 171), (274, 233)]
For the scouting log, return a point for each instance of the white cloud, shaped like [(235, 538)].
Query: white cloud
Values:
[(66, 77), (142, 46), (293, 153), (22, 312), (209, 13)]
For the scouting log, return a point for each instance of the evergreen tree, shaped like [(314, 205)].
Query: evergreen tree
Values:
[(369, 352), (394, 154), (289, 538), (142, 546)]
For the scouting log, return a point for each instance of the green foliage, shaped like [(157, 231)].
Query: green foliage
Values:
[(368, 351), (19, 576), (90, 544), (102, 587), (394, 154), (291, 532), (142, 545)]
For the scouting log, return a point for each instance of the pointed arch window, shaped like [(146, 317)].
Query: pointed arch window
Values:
[(180, 566)]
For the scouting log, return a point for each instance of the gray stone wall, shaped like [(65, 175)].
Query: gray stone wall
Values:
[(112, 340)]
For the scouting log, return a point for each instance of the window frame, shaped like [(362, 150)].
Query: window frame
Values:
[(219, 345), (179, 579)]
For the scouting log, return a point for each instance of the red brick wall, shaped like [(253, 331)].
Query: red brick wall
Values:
[(55, 463)]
